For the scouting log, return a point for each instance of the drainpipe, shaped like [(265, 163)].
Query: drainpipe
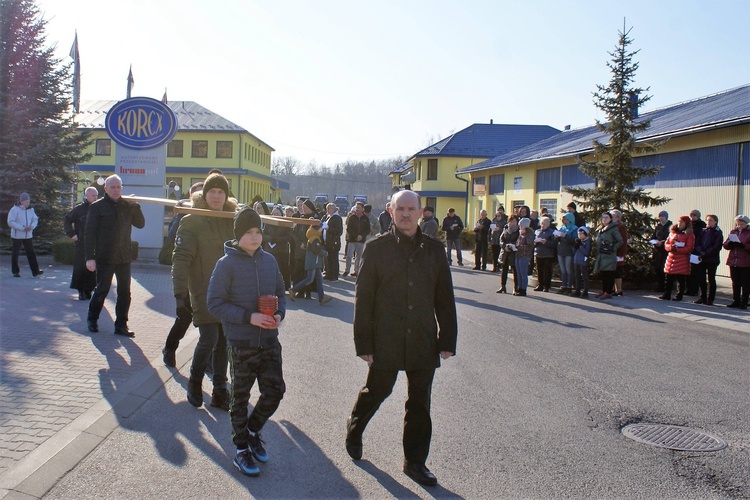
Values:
[(738, 194), (466, 205)]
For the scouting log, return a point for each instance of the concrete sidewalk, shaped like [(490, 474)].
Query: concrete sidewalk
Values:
[(65, 390)]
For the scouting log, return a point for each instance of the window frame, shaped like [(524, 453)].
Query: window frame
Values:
[(196, 144), (103, 142), (172, 145), (224, 144)]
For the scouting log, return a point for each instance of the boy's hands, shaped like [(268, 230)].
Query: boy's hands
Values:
[(265, 320)]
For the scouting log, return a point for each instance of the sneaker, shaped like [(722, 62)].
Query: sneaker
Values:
[(257, 448), (195, 393), (168, 356), (243, 460), (325, 300), (221, 399)]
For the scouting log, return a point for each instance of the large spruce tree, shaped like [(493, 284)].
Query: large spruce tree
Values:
[(611, 164), (39, 142)]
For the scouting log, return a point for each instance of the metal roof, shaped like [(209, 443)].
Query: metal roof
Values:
[(724, 109), (400, 170), (191, 117), (485, 140)]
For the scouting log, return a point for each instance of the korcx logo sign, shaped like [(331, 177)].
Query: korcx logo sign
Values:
[(141, 123)]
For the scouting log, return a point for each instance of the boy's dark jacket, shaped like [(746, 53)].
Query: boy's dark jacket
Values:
[(236, 283)]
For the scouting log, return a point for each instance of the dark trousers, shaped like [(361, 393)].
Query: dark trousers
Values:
[(212, 342), (496, 256), (454, 244), (707, 271), (178, 331), (509, 263), (313, 278), (581, 274), (480, 255), (658, 261), (332, 269), (104, 274), (417, 421), (28, 247), (249, 364), (740, 284), (670, 280), (608, 281), (694, 280), (544, 271)]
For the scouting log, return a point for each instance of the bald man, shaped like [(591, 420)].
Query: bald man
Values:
[(404, 320)]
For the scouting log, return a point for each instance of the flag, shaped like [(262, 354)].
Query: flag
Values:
[(164, 97), (131, 82), (76, 75)]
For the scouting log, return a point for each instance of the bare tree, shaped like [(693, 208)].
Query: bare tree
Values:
[(286, 165)]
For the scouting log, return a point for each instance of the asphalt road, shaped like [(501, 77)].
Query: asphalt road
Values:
[(531, 407)]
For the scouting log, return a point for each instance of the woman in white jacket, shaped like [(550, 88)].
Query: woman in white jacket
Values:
[(22, 221)]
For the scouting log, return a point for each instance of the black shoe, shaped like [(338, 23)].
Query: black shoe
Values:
[(88, 295), (93, 327), (538, 288), (169, 357), (734, 305), (575, 294), (420, 473), (678, 297), (38, 273), (461, 264), (522, 292), (195, 393), (476, 268), (81, 295), (502, 290), (221, 399), (243, 460), (617, 294), (16, 275), (665, 296), (124, 331), (257, 448), (700, 301), (585, 295)]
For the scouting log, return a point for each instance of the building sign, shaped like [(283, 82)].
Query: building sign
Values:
[(141, 123), (142, 127), (517, 184)]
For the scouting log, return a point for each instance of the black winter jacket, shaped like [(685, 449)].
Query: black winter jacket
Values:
[(404, 309), (108, 228), (708, 245)]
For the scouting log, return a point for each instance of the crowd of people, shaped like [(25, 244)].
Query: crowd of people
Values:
[(231, 278), (685, 255)]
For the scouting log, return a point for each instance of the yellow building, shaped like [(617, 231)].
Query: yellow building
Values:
[(432, 172), (204, 141), (706, 163)]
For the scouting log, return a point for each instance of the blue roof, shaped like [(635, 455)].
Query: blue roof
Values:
[(400, 170), (724, 109), (486, 140)]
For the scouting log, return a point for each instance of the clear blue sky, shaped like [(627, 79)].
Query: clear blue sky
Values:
[(331, 80)]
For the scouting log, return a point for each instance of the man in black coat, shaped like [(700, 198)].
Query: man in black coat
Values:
[(482, 231), (74, 223), (332, 236), (404, 319), (107, 250)]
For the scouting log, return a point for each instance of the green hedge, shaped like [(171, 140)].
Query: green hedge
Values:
[(63, 250)]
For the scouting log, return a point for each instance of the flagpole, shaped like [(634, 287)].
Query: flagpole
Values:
[(76, 74), (131, 81)]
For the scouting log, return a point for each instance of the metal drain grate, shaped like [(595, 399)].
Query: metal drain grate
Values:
[(674, 437)]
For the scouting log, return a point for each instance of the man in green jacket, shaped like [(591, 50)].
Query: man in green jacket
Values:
[(199, 244)]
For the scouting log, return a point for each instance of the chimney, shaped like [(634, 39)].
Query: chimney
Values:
[(567, 127), (490, 121)]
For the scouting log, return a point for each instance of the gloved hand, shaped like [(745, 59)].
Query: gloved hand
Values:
[(184, 310)]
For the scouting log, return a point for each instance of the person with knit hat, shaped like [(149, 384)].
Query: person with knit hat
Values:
[(198, 245), (357, 230), (694, 279), (524, 254), (738, 260), (246, 292), (22, 221), (677, 268), (315, 256), (306, 211)]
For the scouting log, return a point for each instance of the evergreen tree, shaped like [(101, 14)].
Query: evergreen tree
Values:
[(39, 142), (615, 177)]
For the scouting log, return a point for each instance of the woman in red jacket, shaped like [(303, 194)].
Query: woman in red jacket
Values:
[(679, 245), (738, 260)]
